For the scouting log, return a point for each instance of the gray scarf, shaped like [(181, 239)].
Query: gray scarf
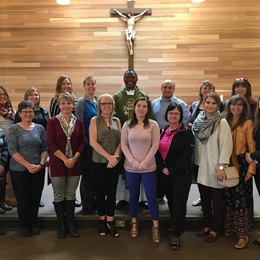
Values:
[(204, 125)]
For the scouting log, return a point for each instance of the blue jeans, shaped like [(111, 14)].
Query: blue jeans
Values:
[(149, 181)]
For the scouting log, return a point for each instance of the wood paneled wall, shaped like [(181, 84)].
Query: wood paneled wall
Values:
[(217, 40)]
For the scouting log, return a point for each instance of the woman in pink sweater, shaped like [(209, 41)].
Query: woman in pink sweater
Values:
[(140, 142)]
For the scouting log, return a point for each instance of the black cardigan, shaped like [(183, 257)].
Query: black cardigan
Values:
[(179, 159)]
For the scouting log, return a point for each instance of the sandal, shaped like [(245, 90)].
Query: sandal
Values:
[(134, 232), (241, 243), (156, 234), (212, 236)]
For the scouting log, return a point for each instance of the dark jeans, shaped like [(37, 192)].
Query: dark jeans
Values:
[(177, 190), (106, 182), (87, 183), (212, 202), (28, 190)]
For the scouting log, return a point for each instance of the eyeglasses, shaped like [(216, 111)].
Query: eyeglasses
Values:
[(27, 112), (174, 113), (106, 103), (3, 95)]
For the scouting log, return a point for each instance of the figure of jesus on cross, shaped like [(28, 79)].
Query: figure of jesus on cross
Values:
[(130, 15), (130, 19)]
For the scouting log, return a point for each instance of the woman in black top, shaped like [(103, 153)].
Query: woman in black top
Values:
[(41, 115), (174, 162)]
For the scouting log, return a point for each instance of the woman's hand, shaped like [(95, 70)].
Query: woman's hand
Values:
[(166, 171), (33, 168), (112, 161), (142, 165), (248, 158), (69, 163), (220, 174), (135, 163), (248, 176)]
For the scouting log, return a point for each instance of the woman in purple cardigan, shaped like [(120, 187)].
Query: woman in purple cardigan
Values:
[(65, 137)]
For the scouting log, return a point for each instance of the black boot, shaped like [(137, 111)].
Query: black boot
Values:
[(60, 212), (70, 210), (2, 232), (3, 205)]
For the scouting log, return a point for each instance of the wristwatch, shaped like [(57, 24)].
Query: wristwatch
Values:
[(221, 167)]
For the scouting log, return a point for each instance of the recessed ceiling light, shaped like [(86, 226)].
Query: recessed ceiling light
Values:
[(197, 1), (63, 2)]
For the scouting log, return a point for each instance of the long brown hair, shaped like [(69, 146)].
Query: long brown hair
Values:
[(243, 116), (29, 91), (8, 103), (133, 120), (257, 115)]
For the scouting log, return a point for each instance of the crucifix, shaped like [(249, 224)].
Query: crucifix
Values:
[(130, 15)]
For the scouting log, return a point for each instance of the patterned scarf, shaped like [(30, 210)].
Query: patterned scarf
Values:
[(7, 113), (203, 126), (68, 130)]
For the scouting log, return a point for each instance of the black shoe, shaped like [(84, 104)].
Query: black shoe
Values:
[(102, 228), (35, 231), (2, 232), (170, 229), (2, 211), (41, 204), (175, 243), (26, 232), (256, 242), (122, 204), (5, 206), (111, 229), (143, 204)]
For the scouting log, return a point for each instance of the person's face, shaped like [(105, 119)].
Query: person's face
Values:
[(34, 97), (26, 115), (130, 80), (66, 86), (3, 98), (90, 87), (141, 108), (167, 89), (106, 106), (240, 90), (66, 107), (174, 116), (210, 105), (206, 90), (237, 108)]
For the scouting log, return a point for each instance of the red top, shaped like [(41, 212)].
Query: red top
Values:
[(57, 140)]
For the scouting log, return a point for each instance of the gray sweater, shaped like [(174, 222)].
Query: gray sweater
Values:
[(29, 143)]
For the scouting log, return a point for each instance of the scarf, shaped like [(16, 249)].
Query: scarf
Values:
[(204, 125), (68, 130), (7, 113)]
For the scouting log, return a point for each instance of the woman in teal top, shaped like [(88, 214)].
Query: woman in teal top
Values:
[(104, 135)]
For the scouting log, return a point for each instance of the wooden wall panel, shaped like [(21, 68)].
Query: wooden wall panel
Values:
[(217, 40)]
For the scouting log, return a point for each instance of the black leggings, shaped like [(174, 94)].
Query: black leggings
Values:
[(106, 182)]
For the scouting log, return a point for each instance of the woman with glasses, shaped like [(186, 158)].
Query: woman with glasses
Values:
[(175, 164), (104, 137), (28, 149)]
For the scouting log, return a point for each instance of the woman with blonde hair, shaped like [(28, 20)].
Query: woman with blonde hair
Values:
[(104, 137), (41, 115), (65, 137)]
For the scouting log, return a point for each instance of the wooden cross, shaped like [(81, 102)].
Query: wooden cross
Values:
[(130, 15)]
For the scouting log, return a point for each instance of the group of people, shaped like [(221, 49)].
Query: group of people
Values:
[(127, 148)]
